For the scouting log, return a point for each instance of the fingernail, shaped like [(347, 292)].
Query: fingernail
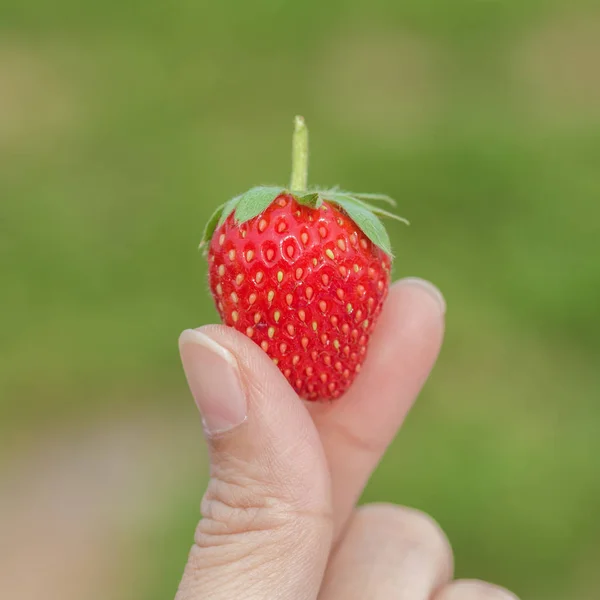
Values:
[(213, 376), (429, 288)]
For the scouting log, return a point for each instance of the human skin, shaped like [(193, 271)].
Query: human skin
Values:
[(279, 515)]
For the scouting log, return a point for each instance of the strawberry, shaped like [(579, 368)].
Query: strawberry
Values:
[(303, 274)]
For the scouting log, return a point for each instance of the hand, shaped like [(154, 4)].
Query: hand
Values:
[(279, 513)]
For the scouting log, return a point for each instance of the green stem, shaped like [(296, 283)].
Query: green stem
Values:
[(299, 156)]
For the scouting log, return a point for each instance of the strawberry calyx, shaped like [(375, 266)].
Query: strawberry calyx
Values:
[(357, 207)]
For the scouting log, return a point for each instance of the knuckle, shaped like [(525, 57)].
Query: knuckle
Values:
[(471, 589), (418, 530), (247, 527), (238, 506), (243, 504)]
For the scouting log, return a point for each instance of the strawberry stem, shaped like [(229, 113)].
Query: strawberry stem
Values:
[(299, 156)]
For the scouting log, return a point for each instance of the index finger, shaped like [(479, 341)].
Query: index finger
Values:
[(357, 429)]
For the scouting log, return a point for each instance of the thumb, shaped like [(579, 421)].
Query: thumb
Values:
[(266, 527)]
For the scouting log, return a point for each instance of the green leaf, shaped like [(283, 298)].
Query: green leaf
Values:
[(211, 226), (378, 211), (312, 200), (228, 208), (368, 222), (255, 201), (380, 197)]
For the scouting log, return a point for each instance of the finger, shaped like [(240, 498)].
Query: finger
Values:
[(473, 590), (356, 430), (388, 552), (266, 527)]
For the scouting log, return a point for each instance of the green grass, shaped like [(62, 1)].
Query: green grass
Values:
[(126, 125)]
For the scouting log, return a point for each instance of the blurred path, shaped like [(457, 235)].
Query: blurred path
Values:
[(72, 507)]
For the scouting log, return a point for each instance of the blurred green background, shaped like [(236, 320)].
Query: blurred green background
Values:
[(124, 124)]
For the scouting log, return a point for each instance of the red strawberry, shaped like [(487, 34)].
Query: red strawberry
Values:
[(304, 275)]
